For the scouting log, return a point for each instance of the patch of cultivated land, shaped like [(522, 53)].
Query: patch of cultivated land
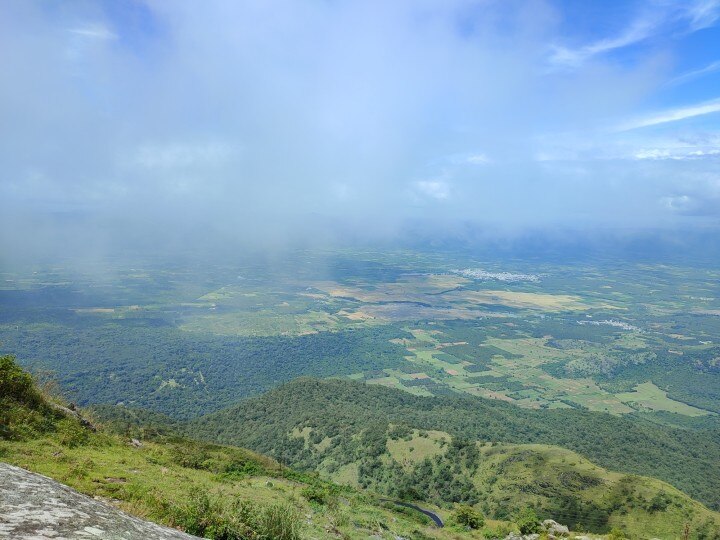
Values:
[(648, 396), (521, 300), (514, 374)]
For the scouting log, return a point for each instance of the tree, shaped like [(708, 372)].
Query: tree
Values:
[(527, 521), (469, 517)]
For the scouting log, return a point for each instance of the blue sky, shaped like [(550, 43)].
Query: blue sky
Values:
[(245, 115)]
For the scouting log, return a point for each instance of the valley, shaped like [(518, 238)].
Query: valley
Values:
[(604, 337), (586, 391)]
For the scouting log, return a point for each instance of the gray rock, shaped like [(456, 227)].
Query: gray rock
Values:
[(34, 507), (72, 412), (554, 529)]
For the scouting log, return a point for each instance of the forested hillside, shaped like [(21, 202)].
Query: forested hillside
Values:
[(208, 490), (186, 374), (357, 416)]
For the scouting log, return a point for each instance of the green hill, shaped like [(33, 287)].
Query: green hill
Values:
[(344, 436), (205, 489), (502, 479), (346, 430)]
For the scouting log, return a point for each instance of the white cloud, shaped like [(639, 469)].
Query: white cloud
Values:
[(692, 75), (676, 154), (342, 192), (653, 153), (703, 14), (678, 203), (93, 31), (175, 155), (704, 153), (683, 17), (436, 189), (570, 58), (672, 115), (254, 110), (478, 159)]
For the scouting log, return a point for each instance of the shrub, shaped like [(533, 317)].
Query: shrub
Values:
[(81, 469), (204, 516), (314, 493), (213, 518), (467, 516), (659, 502), (191, 456), (15, 383), (279, 522), (240, 468), (72, 434), (501, 531), (23, 411), (527, 521)]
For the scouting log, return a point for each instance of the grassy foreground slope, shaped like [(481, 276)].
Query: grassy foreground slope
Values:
[(231, 493), (356, 416), (205, 489)]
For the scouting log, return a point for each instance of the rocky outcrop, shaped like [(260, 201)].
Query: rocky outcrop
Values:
[(35, 507), (72, 412), (554, 529)]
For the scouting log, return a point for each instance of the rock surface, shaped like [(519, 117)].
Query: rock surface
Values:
[(34, 507), (518, 536), (554, 529)]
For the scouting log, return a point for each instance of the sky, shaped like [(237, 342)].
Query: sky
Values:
[(255, 119)]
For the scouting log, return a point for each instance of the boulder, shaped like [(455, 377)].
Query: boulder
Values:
[(554, 529), (35, 507)]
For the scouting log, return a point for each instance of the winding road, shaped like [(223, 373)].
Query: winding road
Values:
[(432, 515)]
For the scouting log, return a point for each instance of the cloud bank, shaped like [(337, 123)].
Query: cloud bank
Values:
[(252, 119)]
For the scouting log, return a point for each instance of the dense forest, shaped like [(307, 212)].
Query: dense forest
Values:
[(186, 374), (688, 459)]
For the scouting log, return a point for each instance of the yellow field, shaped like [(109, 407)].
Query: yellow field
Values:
[(522, 300)]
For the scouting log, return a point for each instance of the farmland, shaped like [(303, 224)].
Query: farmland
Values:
[(186, 339)]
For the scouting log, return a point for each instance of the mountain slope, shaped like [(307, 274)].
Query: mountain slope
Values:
[(204, 489), (339, 411), (502, 479), (347, 434)]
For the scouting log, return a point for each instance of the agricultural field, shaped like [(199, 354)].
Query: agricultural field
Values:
[(622, 338)]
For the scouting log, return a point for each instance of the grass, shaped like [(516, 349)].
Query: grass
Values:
[(647, 396), (156, 483), (416, 448)]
